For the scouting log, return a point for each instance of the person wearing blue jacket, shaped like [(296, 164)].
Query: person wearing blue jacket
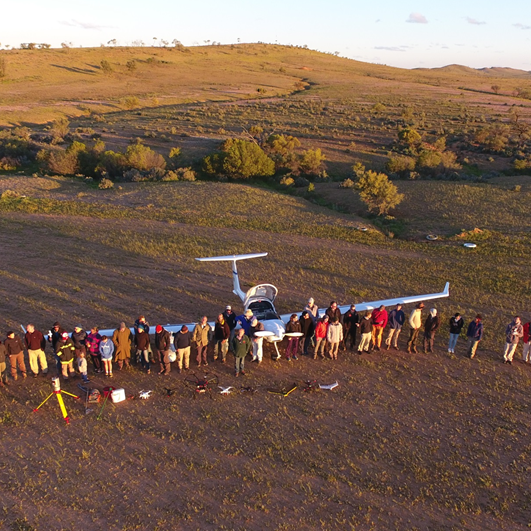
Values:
[(396, 321)]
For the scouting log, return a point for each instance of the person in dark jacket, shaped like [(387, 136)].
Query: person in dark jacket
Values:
[(366, 333), (513, 332), (36, 344), (333, 312), (308, 330), (162, 349), (15, 351), (230, 317), (351, 323), (64, 349), (245, 321), (54, 335), (474, 335), (141, 322), (293, 327), (456, 325), (3, 372), (221, 338), (431, 325), (182, 342), (240, 346), (79, 337), (396, 321), (93, 345), (142, 347)]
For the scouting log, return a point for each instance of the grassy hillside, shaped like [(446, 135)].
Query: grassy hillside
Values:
[(433, 441)]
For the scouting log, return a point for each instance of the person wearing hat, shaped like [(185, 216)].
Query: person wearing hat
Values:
[(64, 350), (36, 344), (474, 335), (415, 322), (230, 317), (351, 323), (431, 325), (162, 349), (122, 339), (201, 338), (15, 351), (396, 321), (182, 342), (245, 321), (312, 309)]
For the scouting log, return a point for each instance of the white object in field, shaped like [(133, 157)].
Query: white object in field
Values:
[(172, 356), (363, 229), (329, 387), (144, 395), (293, 334), (118, 395), (225, 390), (432, 237), (470, 245)]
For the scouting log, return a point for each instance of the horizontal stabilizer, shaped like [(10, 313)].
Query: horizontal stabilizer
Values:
[(232, 258)]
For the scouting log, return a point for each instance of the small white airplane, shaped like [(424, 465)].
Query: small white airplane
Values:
[(260, 298)]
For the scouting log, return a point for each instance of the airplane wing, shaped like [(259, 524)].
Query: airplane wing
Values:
[(362, 306)]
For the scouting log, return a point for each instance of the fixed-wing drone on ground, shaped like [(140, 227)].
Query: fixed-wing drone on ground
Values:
[(260, 300)]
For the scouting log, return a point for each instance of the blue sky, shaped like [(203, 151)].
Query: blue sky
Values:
[(405, 34)]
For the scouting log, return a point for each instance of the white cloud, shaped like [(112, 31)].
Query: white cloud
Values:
[(474, 21), (417, 18), (83, 25), (521, 26), (391, 48)]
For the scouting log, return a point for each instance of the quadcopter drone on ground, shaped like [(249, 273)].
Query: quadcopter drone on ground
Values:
[(202, 385)]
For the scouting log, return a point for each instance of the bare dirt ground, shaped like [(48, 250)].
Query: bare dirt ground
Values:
[(435, 441)]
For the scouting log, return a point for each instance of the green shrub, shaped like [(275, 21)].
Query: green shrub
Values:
[(377, 192), (141, 157), (400, 164), (312, 161)]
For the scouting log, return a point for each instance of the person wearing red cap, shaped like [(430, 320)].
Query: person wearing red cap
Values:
[(122, 339), (64, 350), (162, 349)]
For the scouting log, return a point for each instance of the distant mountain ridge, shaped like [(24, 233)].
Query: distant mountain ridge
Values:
[(496, 71)]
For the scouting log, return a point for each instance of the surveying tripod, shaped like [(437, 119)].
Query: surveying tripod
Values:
[(56, 385)]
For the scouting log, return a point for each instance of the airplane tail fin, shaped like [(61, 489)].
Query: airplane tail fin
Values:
[(234, 258)]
